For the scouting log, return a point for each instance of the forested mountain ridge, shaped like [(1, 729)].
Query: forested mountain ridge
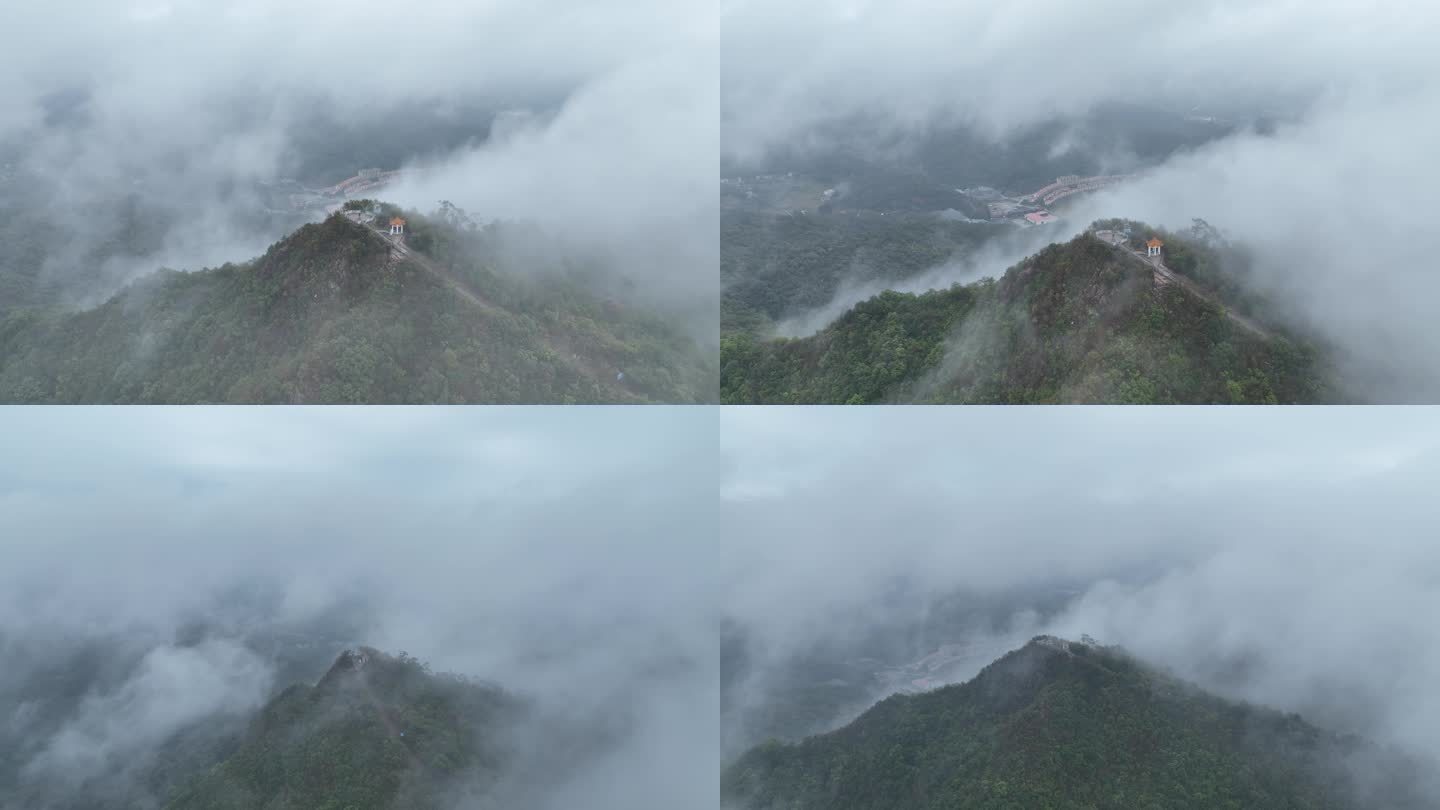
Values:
[(331, 315), (376, 732), (1058, 724), (1076, 322)]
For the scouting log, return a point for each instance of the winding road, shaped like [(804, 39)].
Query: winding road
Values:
[(399, 246)]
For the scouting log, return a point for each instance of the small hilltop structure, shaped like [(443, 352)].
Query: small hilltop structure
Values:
[(397, 227), (1154, 247)]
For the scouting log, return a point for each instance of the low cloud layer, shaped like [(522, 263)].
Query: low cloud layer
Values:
[(1282, 558), (990, 260), (561, 554), (624, 173), (171, 688)]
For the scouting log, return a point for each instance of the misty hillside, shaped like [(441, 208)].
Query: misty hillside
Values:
[(1077, 322), (778, 266), (1058, 724), (85, 732), (331, 314), (65, 240), (375, 732), (821, 685), (36, 244), (47, 761)]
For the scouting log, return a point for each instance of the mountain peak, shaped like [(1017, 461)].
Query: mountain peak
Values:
[(352, 662), (321, 259), (378, 730), (1060, 723)]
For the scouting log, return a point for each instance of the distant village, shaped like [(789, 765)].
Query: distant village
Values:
[(1033, 209), (800, 196), (290, 196)]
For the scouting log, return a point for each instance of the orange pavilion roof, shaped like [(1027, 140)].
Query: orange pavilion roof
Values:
[(1154, 243), (397, 221)]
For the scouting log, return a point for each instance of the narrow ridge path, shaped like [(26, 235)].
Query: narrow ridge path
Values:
[(566, 356), (1159, 268)]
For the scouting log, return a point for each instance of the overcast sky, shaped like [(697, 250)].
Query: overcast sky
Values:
[(1333, 203), (187, 96), (562, 553), (1297, 542)]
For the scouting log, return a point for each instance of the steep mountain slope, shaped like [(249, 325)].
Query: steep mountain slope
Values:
[(334, 314), (1064, 725), (45, 700), (1078, 322), (376, 732)]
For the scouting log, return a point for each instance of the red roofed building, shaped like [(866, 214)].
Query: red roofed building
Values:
[(1152, 248), (397, 226)]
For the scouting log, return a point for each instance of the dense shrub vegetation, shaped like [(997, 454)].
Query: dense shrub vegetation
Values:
[(1046, 728)]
